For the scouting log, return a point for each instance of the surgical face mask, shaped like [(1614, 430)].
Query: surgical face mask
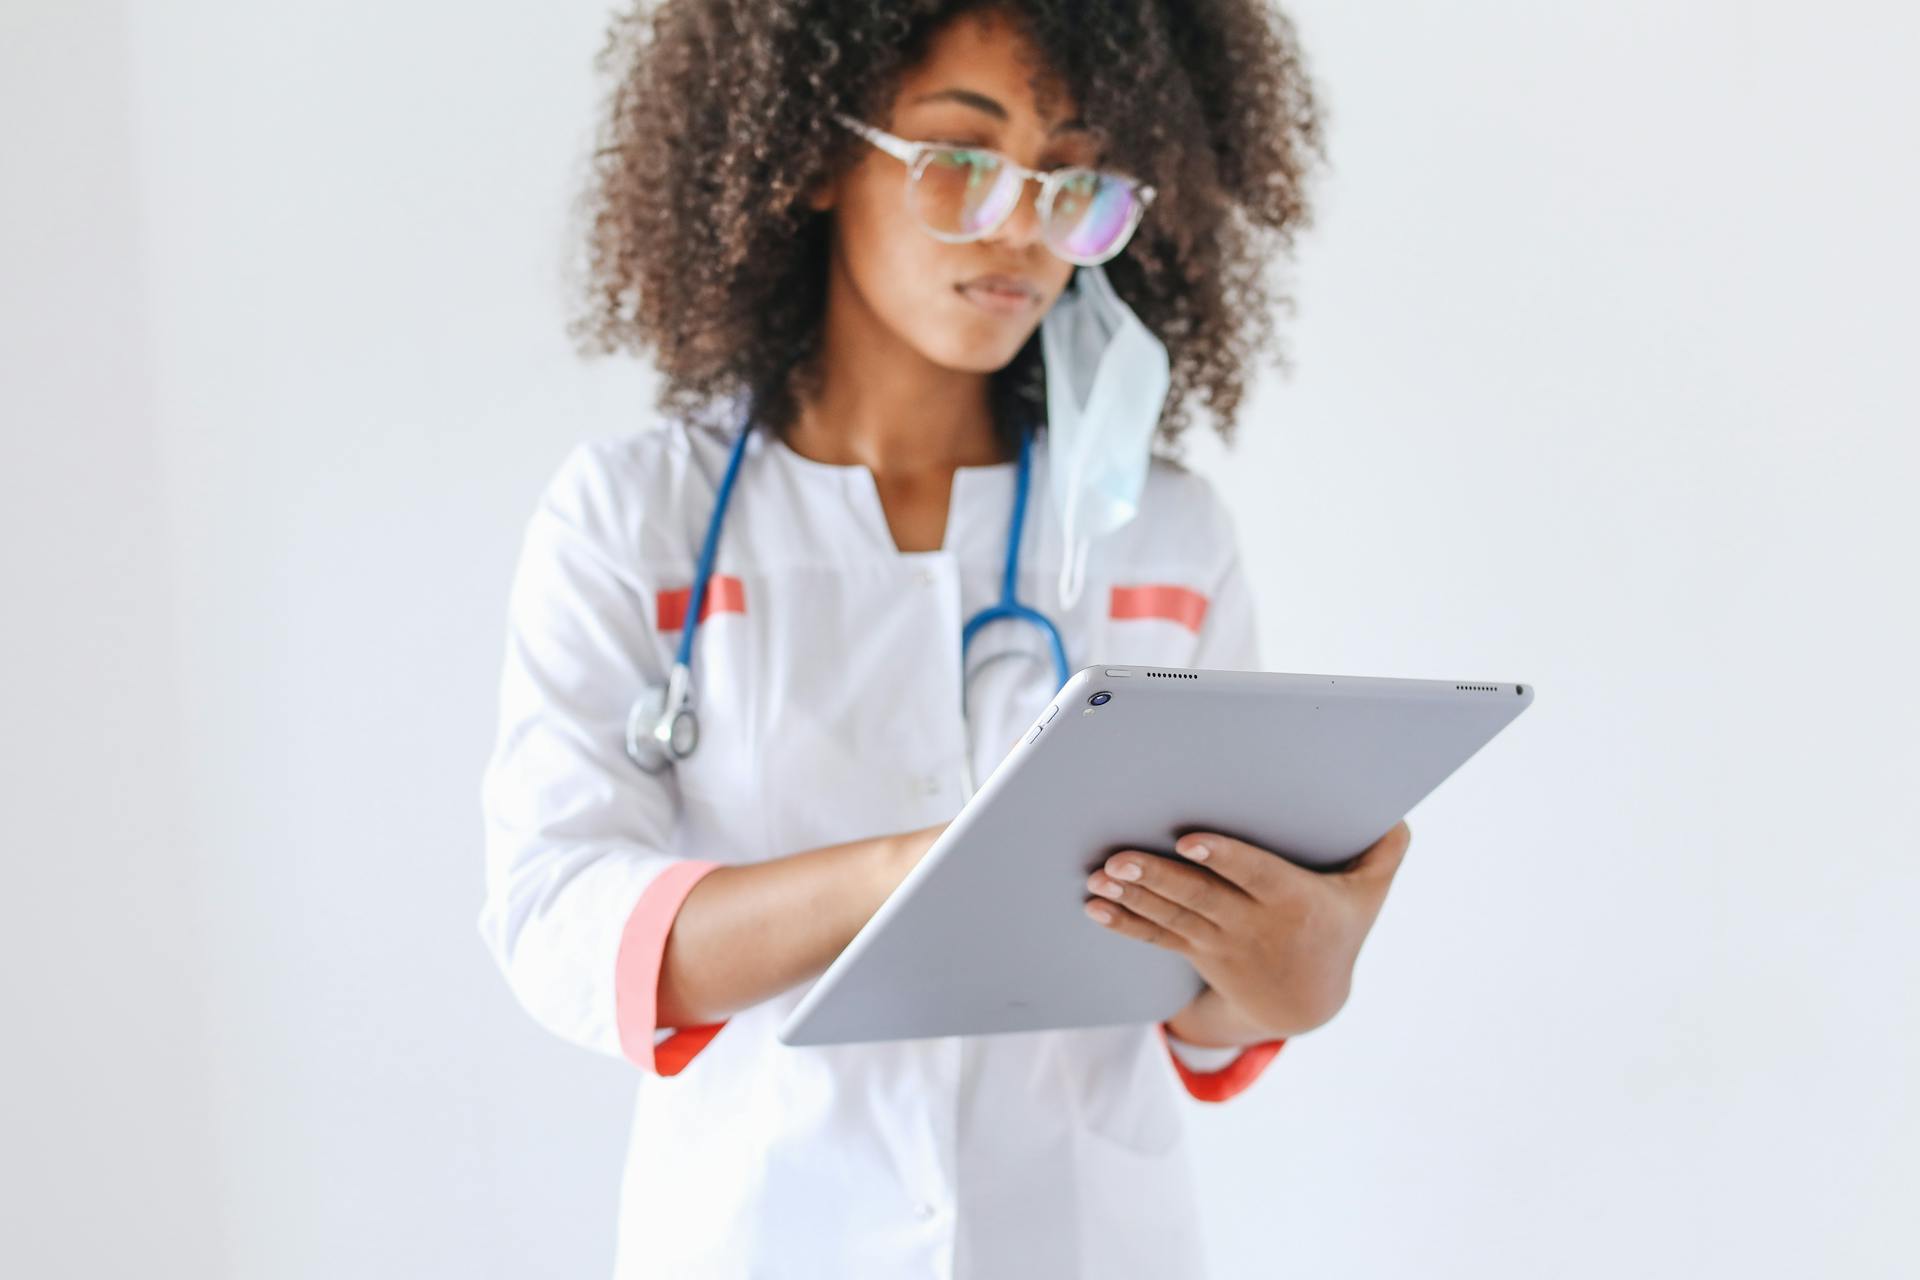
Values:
[(1107, 378)]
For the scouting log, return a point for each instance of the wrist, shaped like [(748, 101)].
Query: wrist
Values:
[(892, 857), (1210, 1022)]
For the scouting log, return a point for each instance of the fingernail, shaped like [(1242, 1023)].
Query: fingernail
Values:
[(1126, 871), (1099, 913), (1195, 849)]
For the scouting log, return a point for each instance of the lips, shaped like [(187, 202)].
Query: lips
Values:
[(999, 293)]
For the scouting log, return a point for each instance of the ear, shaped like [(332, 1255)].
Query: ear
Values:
[(822, 195)]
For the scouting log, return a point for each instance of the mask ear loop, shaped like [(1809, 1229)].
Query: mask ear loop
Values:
[(1073, 568)]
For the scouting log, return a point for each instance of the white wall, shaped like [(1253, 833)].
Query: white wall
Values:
[(106, 1159), (1606, 383), (1597, 387)]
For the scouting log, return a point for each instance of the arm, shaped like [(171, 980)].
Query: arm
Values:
[(608, 935), (745, 933)]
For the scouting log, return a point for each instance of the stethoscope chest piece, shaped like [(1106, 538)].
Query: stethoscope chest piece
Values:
[(662, 728)]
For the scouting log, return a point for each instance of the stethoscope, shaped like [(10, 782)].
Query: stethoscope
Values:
[(662, 725)]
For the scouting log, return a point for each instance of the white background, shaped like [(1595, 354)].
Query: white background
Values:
[(1604, 380)]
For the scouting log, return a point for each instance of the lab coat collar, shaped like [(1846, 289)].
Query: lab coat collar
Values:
[(979, 510)]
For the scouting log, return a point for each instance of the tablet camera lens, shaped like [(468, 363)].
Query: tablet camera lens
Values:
[(1101, 698)]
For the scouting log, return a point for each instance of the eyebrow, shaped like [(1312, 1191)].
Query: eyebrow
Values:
[(981, 102)]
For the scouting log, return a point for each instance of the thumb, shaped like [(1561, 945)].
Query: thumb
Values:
[(1376, 865)]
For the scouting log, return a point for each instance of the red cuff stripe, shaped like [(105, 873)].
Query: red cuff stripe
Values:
[(1218, 1086), (636, 975), (1160, 600), (725, 594)]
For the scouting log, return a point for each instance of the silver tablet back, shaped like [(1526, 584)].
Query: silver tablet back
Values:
[(987, 934)]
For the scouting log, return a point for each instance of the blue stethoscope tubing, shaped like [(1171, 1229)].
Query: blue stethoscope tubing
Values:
[(662, 726)]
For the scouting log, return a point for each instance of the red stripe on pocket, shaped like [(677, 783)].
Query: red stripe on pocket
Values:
[(724, 595), (1160, 600)]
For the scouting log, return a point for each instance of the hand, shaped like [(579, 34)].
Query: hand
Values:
[(1275, 942)]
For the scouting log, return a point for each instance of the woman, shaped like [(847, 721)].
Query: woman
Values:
[(861, 372)]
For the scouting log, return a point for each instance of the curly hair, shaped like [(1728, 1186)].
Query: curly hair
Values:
[(701, 250)]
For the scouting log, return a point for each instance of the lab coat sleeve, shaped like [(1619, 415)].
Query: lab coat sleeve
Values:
[(581, 884), (1229, 641)]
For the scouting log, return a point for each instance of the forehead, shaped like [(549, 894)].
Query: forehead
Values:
[(986, 54)]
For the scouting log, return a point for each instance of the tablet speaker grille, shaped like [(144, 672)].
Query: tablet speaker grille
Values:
[(1479, 688), (1174, 675)]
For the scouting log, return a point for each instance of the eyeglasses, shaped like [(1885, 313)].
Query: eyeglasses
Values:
[(963, 193)]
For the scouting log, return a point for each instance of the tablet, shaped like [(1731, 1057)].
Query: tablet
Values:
[(987, 934)]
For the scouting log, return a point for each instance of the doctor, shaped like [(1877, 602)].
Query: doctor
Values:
[(759, 653)]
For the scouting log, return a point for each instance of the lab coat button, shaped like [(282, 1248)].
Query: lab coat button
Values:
[(924, 1209), (924, 577)]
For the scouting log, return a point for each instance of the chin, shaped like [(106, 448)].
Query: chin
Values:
[(978, 360), (974, 348)]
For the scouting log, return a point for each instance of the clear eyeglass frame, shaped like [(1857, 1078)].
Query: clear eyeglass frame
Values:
[(915, 155)]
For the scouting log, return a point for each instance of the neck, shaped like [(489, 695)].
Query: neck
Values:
[(881, 403)]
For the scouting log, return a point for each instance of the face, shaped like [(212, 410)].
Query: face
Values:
[(965, 306)]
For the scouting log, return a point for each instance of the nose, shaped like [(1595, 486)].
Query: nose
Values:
[(1022, 226)]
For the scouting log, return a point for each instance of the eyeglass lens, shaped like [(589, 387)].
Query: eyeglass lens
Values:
[(965, 192)]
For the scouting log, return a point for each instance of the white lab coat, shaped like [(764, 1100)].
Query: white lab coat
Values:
[(827, 672)]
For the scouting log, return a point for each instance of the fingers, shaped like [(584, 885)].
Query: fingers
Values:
[(1258, 873), (1192, 903), (1265, 876), (1119, 919), (1194, 906)]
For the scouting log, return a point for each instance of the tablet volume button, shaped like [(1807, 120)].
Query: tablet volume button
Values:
[(1033, 735), (1052, 711)]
